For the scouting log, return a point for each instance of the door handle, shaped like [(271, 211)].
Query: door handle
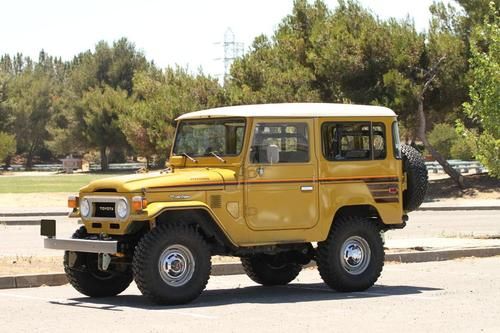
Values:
[(306, 188)]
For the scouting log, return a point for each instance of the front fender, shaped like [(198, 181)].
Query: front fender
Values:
[(155, 209)]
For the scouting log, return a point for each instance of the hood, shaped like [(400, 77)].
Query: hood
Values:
[(180, 177)]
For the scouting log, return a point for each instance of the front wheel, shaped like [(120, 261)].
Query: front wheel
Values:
[(352, 257), (172, 264), (83, 274)]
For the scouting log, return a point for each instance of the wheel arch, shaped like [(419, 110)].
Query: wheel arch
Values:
[(205, 223), (367, 211)]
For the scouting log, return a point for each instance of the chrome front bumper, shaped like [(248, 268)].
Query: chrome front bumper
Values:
[(81, 245)]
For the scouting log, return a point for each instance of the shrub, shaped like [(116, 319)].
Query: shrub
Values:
[(442, 138), (7, 145), (463, 149)]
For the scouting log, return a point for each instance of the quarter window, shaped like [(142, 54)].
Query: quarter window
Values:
[(396, 142), (280, 143), (354, 141)]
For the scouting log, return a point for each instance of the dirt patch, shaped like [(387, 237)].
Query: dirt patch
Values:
[(34, 200), (479, 186), (29, 265)]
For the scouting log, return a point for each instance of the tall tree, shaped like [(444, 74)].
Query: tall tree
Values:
[(100, 109), (351, 56), (105, 73), (159, 98), (484, 103), (30, 99)]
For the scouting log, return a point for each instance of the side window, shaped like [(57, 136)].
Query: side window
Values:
[(280, 143), (353, 141), (396, 143)]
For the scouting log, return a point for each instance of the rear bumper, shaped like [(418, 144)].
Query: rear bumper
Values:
[(81, 245)]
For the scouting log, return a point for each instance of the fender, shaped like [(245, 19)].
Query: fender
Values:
[(155, 209)]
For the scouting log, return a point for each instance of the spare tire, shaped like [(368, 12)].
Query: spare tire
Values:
[(416, 173)]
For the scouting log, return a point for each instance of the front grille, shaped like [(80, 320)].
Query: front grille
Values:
[(105, 190), (104, 209)]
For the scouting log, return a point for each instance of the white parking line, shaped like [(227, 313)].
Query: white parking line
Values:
[(102, 306)]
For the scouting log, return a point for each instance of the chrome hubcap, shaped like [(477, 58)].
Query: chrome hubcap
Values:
[(176, 265), (355, 255)]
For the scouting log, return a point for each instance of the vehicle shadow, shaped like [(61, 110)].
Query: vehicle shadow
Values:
[(292, 293)]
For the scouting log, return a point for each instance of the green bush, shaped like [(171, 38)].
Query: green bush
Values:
[(442, 138), (463, 149), (7, 145)]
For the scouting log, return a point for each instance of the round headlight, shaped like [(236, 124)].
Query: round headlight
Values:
[(121, 209), (84, 208)]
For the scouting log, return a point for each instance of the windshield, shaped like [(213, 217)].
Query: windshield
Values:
[(205, 137)]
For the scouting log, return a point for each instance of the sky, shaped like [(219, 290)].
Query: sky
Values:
[(188, 33)]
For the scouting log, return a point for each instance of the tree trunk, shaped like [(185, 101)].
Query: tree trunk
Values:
[(29, 159), (454, 174), (7, 162), (104, 159)]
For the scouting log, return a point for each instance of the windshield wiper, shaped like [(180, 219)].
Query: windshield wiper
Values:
[(189, 158), (217, 156)]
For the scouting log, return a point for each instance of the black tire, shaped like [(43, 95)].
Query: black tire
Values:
[(87, 279), (414, 166), (187, 251), (270, 270), (355, 234)]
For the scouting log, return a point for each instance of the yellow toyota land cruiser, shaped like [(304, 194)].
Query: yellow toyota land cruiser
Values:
[(277, 185)]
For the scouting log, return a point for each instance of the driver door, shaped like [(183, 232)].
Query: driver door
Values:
[(281, 191)]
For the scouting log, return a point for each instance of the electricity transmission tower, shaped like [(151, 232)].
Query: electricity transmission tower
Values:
[(232, 50)]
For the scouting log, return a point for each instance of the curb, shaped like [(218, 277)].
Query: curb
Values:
[(31, 214), (35, 280), (450, 208), (21, 222), (58, 279)]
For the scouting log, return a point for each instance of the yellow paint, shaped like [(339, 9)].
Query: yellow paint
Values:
[(289, 202)]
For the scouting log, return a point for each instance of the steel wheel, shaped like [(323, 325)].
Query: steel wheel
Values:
[(355, 255), (352, 256), (176, 265), (172, 264)]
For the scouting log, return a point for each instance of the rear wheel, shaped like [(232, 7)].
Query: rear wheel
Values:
[(270, 270), (83, 274), (352, 257), (172, 264)]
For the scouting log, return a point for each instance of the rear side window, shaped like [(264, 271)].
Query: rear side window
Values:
[(396, 143), (280, 143), (344, 141)]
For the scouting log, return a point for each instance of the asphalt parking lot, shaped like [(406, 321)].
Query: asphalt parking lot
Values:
[(453, 296)]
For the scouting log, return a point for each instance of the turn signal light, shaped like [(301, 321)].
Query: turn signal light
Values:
[(72, 201), (139, 203)]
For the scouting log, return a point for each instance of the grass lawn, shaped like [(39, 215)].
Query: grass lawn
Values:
[(52, 183)]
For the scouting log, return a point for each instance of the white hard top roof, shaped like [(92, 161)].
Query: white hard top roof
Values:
[(306, 110)]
